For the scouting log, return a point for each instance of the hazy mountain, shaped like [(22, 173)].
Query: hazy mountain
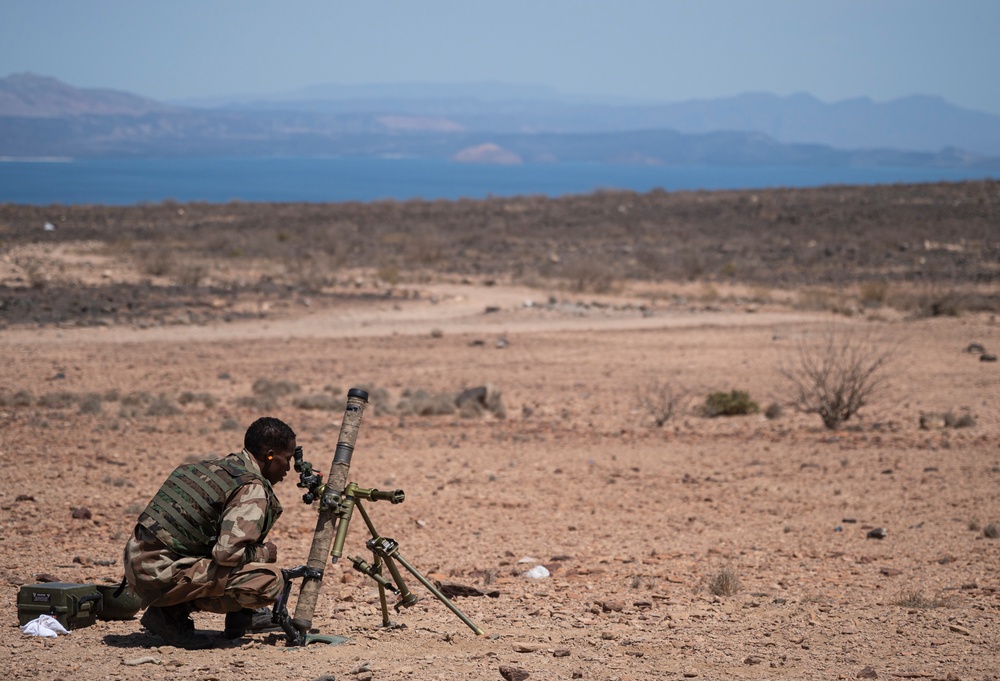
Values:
[(916, 123), (34, 96), (41, 116)]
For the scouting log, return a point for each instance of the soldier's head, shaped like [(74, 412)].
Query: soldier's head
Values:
[(272, 443)]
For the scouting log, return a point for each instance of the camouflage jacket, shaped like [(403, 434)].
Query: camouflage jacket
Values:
[(222, 508)]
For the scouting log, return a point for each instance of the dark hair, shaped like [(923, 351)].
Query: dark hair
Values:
[(267, 433)]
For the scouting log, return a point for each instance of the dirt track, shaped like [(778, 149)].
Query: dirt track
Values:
[(633, 522)]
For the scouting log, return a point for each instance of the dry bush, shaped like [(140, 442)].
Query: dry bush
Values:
[(991, 531), (733, 403), (660, 401), (837, 376), (58, 400), (91, 404), (273, 389), (318, 402), (163, 406), (916, 599), (725, 583)]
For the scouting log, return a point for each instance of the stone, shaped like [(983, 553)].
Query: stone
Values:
[(868, 673), (513, 673)]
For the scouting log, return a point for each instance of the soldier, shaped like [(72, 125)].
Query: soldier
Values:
[(200, 542)]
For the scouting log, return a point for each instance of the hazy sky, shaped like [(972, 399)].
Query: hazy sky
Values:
[(666, 50)]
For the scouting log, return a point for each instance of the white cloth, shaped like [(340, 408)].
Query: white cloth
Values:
[(44, 625)]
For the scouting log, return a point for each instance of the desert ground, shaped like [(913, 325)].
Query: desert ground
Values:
[(677, 544)]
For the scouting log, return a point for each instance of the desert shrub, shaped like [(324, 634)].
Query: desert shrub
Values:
[(22, 398), (874, 293), (916, 599), (257, 402), (422, 403), (774, 411), (837, 376), (991, 531), (155, 261), (318, 402), (473, 402), (733, 403), (137, 399), (91, 404), (207, 399), (725, 583), (592, 275), (229, 424), (659, 401), (58, 400), (163, 405), (264, 386)]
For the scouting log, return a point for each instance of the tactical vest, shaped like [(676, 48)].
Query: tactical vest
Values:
[(186, 513)]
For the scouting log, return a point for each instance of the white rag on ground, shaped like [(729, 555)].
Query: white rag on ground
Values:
[(44, 625)]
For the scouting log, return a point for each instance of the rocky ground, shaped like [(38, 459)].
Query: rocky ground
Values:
[(713, 548)]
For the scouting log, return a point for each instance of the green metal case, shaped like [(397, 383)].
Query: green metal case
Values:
[(73, 605)]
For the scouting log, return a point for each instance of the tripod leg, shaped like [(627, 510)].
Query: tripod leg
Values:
[(434, 590)]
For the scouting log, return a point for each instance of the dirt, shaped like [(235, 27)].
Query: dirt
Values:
[(636, 524)]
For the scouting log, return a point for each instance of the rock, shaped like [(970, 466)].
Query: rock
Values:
[(612, 606), (878, 533), (959, 630), (513, 673), (975, 348), (868, 673), (82, 513), (527, 647), (136, 661), (891, 572), (537, 572), (753, 659), (452, 590), (560, 652), (987, 358)]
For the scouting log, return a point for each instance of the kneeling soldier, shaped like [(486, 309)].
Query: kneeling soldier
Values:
[(200, 542)]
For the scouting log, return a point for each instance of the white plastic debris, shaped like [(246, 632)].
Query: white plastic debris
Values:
[(49, 227), (537, 572), (44, 625)]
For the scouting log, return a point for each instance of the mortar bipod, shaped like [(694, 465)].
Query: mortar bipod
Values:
[(385, 551)]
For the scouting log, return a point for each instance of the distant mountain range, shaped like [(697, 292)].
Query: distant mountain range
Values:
[(492, 123)]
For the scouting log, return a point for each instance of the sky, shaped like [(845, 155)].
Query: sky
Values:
[(658, 50)]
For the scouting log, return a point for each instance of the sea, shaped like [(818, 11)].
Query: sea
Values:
[(320, 180)]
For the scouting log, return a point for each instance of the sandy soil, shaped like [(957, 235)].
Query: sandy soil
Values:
[(634, 522)]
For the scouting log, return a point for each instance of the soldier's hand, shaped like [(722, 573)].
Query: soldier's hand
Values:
[(272, 552)]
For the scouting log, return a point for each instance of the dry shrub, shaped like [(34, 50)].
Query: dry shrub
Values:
[(725, 583), (874, 293), (318, 402), (22, 398), (591, 275), (422, 403), (991, 531), (163, 405), (836, 376), (91, 404), (660, 400), (916, 599), (207, 399), (274, 389), (58, 400), (733, 403)]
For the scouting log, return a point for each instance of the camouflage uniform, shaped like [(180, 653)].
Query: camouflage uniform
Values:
[(230, 571)]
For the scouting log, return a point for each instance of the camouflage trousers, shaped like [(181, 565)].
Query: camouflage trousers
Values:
[(161, 577)]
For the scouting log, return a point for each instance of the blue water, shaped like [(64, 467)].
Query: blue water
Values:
[(218, 180)]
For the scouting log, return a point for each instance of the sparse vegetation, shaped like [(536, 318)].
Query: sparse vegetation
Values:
[(659, 400), (836, 376), (916, 600), (725, 582), (991, 531), (733, 403)]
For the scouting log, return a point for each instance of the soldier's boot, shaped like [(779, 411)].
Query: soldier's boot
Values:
[(242, 622), (173, 624)]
